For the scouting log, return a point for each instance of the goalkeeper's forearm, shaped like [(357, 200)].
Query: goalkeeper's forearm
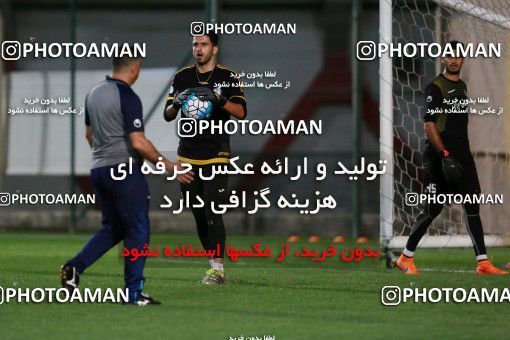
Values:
[(170, 113), (234, 109), (433, 136)]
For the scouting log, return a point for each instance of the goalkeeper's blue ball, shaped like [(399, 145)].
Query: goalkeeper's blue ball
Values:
[(196, 108)]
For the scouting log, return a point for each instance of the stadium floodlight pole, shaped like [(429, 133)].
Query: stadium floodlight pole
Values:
[(211, 10), (356, 109), (72, 186), (386, 124), (211, 15)]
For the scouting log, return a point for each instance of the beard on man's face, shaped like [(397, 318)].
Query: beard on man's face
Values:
[(457, 71), (453, 68), (203, 59)]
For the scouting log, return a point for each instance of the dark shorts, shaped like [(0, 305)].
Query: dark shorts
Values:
[(433, 176), (214, 190)]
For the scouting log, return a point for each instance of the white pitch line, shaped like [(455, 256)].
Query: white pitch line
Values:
[(447, 270)]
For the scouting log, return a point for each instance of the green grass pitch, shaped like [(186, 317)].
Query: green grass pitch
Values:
[(292, 299)]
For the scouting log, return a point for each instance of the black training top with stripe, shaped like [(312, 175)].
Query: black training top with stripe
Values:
[(446, 105)]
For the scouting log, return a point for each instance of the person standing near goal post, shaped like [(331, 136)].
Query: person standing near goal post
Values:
[(218, 85), (448, 164)]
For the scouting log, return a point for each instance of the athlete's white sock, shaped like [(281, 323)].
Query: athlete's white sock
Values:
[(218, 265), (408, 253), (211, 262), (481, 257)]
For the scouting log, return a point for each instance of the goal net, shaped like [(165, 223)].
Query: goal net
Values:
[(470, 21)]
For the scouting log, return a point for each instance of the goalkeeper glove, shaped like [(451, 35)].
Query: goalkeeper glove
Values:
[(180, 98), (452, 170), (205, 93)]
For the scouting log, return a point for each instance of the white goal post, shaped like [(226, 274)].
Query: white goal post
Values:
[(402, 81)]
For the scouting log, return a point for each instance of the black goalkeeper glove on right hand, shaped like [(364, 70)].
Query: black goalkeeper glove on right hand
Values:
[(205, 93), (179, 99), (452, 170)]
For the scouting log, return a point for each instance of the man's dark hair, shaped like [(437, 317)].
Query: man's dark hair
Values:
[(455, 44), (213, 37), (118, 63)]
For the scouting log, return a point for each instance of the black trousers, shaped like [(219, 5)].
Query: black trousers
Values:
[(210, 226), (435, 181)]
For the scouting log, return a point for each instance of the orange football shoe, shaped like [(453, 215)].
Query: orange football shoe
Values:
[(486, 267), (406, 264)]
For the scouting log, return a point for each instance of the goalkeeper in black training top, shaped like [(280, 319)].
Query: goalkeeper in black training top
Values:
[(204, 150), (448, 164)]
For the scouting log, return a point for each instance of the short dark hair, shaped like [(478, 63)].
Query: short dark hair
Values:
[(118, 63), (213, 37), (454, 44)]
